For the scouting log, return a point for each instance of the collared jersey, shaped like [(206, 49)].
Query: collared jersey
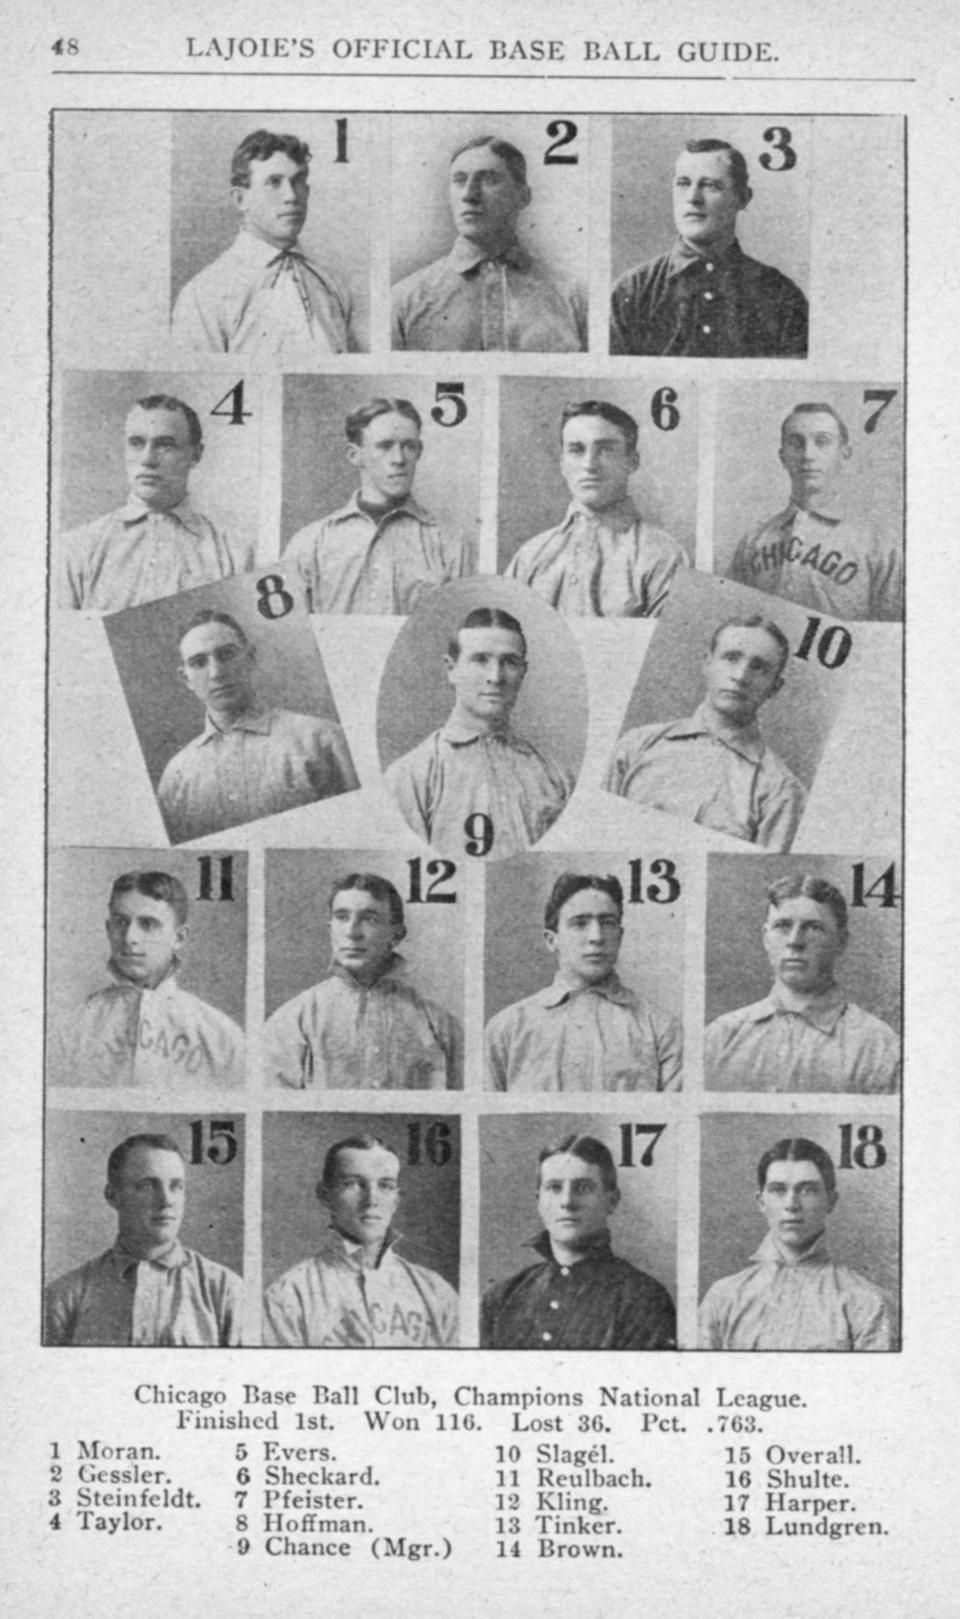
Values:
[(809, 1303), (734, 785), (455, 773), (268, 761), (135, 555), (274, 308), (343, 1035), (609, 564), (179, 1299), (350, 563), (467, 302), (127, 1034), (836, 564), (331, 1301), (603, 1038), (832, 1045), (601, 1302), (720, 305)]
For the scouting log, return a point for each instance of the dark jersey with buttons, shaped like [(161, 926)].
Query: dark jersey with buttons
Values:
[(727, 306), (601, 1302)]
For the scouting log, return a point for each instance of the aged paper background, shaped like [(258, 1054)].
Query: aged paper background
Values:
[(436, 1487)]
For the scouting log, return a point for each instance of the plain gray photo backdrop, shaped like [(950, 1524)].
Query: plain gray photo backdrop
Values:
[(532, 495), (214, 956), (80, 1223), (294, 1220), (863, 1230)]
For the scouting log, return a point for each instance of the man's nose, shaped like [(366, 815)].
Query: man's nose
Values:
[(795, 935)]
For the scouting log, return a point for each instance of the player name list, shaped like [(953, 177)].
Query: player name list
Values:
[(407, 1470)]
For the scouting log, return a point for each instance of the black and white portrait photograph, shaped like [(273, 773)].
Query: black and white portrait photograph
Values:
[(144, 1230), (808, 494), (489, 233), (729, 715), (799, 1232), (597, 491), (361, 1231), (231, 704), (147, 970), (584, 974), (364, 972), (803, 977), (482, 718), (577, 1232), (381, 488), (710, 237), (159, 491), (269, 237)]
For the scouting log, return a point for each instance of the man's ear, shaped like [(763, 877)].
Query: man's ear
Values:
[(110, 1193), (240, 195)]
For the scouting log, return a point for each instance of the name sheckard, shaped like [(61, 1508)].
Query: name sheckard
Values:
[(227, 48)]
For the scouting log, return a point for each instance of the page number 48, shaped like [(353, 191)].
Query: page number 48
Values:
[(66, 47)]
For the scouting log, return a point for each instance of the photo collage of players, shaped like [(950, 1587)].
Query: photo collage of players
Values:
[(475, 668)]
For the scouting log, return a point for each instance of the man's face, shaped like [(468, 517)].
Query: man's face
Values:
[(573, 1202), (274, 205), (803, 941), (217, 666), (387, 457), (705, 200), (364, 1194), (363, 935), (795, 1203), (595, 462), (487, 674), (148, 1200), (586, 940), (158, 455), (813, 452), (144, 936), (742, 671), (485, 199)]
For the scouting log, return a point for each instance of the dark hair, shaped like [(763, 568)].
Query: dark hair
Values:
[(171, 402), (739, 173), (366, 1143), (816, 408), (256, 148), (379, 888), (590, 1150), (620, 419), (487, 618), (116, 1163), (755, 621), (805, 886), (213, 615), (154, 885), (511, 156), (570, 883), (794, 1150), (360, 419)]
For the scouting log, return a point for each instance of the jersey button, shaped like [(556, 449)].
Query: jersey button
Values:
[(706, 330), (554, 1304), (546, 1336)]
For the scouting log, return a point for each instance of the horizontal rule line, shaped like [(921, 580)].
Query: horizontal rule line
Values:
[(504, 78), (263, 73)]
